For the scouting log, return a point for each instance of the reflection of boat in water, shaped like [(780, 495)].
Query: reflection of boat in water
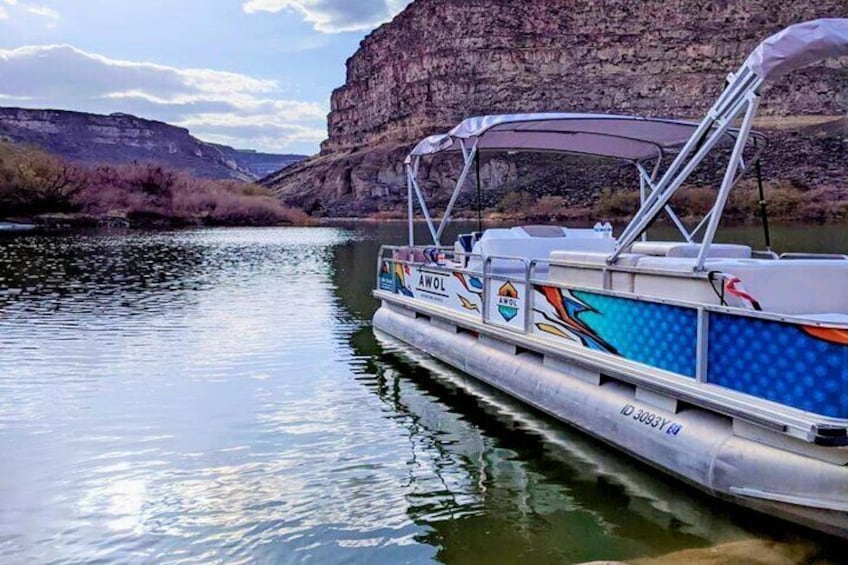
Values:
[(15, 227), (481, 462), (654, 347)]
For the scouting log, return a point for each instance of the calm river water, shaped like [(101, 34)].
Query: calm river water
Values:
[(219, 396)]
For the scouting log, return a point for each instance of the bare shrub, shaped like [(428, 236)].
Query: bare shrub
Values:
[(548, 208), (33, 182), (614, 203), (515, 202)]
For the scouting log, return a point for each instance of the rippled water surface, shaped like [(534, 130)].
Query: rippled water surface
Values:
[(219, 396)]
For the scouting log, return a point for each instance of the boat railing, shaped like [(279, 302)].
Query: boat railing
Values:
[(530, 278)]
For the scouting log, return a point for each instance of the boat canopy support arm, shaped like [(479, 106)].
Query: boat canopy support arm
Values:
[(413, 186), (730, 178), (646, 181), (792, 48), (469, 157), (739, 96)]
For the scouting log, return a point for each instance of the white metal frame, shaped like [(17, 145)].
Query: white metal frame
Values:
[(469, 154), (740, 98)]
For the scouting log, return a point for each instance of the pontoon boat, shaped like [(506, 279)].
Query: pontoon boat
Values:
[(720, 365)]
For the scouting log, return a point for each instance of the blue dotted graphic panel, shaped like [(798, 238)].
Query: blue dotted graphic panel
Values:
[(779, 362), (658, 335)]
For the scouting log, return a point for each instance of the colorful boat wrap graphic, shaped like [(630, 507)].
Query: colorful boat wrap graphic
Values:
[(804, 367), (453, 290), (659, 335), (801, 366)]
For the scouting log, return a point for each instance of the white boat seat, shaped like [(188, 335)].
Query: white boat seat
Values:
[(802, 286), (592, 278), (680, 249), (517, 242)]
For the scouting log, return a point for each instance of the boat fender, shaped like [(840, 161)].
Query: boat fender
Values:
[(733, 287)]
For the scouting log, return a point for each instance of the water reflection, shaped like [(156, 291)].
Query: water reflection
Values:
[(219, 396), (533, 487)]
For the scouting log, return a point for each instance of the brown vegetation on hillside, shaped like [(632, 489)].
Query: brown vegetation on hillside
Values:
[(35, 184), (784, 201)]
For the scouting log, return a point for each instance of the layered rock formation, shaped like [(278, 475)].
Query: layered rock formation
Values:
[(443, 60), (122, 138)]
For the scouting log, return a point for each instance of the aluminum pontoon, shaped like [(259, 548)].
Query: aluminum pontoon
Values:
[(720, 365)]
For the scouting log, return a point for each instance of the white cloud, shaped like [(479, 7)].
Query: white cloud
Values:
[(249, 111), (333, 16), (42, 11), (33, 9)]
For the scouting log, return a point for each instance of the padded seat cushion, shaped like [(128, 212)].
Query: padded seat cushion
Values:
[(679, 249)]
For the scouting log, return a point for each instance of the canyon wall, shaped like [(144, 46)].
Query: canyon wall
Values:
[(122, 138), (440, 61)]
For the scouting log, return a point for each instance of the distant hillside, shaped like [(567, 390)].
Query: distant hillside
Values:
[(122, 138)]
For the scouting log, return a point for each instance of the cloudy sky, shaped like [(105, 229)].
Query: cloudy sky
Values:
[(249, 73)]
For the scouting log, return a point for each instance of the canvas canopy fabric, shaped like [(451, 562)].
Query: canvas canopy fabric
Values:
[(799, 45), (631, 138)]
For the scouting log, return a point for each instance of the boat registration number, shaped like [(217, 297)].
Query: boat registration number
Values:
[(652, 420)]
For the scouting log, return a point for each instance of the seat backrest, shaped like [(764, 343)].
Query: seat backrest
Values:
[(581, 276), (803, 286), (517, 242), (680, 249), (797, 286)]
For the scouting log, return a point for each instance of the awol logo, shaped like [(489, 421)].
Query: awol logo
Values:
[(508, 301)]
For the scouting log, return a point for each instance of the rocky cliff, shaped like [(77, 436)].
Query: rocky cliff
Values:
[(122, 138), (443, 60)]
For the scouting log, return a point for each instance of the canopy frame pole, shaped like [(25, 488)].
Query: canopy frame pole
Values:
[(709, 133), (703, 222), (730, 176), (761, 193), (700, 145), (468, 156), (646, 182), (410, 209), (413, 178), (743, 170), (642, 196), (479, 193)]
